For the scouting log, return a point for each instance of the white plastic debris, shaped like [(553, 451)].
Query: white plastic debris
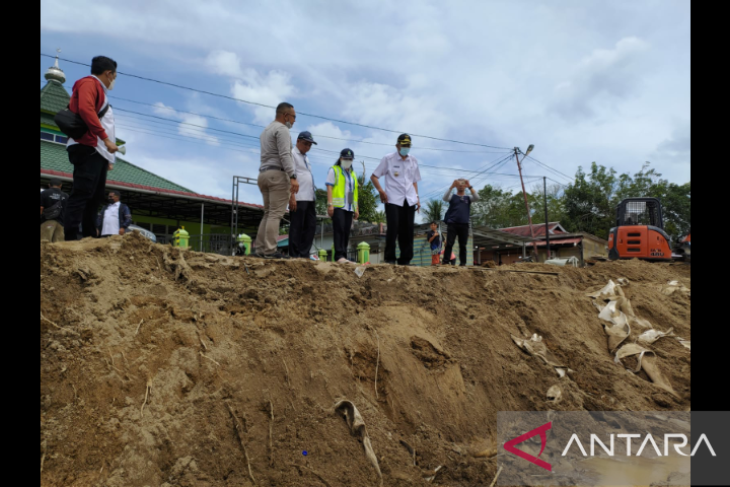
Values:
[(650, 336)]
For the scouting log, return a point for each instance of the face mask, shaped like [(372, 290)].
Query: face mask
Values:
[(111, 200), (288, 125), (111, 85), (346, 164), (404, 151)]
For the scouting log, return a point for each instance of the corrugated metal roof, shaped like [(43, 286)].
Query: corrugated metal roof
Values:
[(539, 229), (115, 182), (54, 157), (559, 241), (54, 97)]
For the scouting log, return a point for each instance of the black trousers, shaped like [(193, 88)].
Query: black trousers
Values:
[(400, 227), (342, 224), (452, 231), (301, 229), (88, 193)]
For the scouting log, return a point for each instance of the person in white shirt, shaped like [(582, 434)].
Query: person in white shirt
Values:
[(401, 176), (302, 205), (115, 218)]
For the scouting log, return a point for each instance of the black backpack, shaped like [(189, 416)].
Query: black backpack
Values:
[(72, 124)]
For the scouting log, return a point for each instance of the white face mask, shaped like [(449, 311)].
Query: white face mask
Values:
[(288, 125), (346, 164), (111, 85)]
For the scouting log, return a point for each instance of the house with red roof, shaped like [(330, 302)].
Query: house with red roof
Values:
[(563, 244)]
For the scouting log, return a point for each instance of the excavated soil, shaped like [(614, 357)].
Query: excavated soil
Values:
[(145, 350)]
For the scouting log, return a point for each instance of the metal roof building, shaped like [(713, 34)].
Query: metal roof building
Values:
[(157, 203)]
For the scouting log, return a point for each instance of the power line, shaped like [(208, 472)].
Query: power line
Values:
[(551, 169), (227, 97), (163, 119), (479, 173), (358, 141)]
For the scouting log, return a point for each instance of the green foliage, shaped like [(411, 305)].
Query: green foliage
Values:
[(591, 201), (321, 202), (498, 208), (368, 202), (434, 210), (588, 204)]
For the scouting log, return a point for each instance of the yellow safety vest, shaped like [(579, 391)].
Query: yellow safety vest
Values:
[(340, 187)]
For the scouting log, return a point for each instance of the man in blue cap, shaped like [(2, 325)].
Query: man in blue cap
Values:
[(302, 205)]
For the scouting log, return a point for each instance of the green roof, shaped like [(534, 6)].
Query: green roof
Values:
[(54, 97), (55, 158)]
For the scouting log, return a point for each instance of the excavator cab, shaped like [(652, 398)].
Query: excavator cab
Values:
[(639, 231)]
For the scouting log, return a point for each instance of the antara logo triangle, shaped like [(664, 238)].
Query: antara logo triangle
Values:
[(510, 446)]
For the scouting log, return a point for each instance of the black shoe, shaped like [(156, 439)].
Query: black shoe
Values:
[(276, 255)]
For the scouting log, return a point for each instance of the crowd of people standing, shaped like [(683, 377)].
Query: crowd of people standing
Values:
[(285, 178)]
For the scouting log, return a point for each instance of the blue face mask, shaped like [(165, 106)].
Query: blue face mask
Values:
[(404, 151)]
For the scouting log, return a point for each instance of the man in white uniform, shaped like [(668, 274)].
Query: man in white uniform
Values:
[(401, 176)]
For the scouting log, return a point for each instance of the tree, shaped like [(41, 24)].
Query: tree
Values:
[(368, 202), (434, 210), (498, 208), (379, 217), (555, 204), (321, 202), (590, 201)]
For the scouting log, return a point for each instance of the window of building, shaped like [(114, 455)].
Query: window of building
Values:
[(61, 139), (46, 136)]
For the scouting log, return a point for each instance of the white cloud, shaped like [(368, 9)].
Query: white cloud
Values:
[(195, 124), (677, 148), (269, 89), (573, 77), (224, 63), (608, 75)]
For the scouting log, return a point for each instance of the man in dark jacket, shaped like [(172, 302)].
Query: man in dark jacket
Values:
[(53, 207), (457, 217), (93, 154), (114, 218)]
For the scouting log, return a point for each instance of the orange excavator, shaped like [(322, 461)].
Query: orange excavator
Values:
[(639, 231), (684, 248)]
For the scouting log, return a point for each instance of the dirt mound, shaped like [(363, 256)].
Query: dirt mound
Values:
[(148, 354)]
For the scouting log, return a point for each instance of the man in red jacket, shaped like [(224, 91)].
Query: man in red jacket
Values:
[(93, 154)]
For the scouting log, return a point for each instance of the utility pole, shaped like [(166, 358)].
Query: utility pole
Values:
[(524, 194), (547, 225)]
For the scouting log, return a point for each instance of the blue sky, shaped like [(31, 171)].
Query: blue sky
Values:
[(583, 81)]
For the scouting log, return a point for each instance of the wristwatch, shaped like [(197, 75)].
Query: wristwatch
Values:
[(293, 177)]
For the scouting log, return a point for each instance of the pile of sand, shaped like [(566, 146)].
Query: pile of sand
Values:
[(147, 354)]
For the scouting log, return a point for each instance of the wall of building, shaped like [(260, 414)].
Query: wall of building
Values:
[(592, 247)]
